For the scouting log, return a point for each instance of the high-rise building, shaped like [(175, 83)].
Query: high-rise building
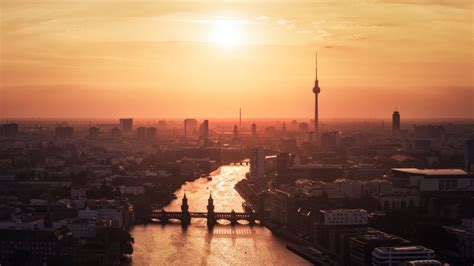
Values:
[(316, 91), (254, 130), (204, 132), (126, 124), (190, 127), (396, 123), (236, 133), (257, 163), (469, 155)]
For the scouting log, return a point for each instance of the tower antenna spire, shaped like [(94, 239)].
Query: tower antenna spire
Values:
[(316, 65)]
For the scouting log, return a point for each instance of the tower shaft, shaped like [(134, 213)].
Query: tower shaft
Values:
[(316, 113)]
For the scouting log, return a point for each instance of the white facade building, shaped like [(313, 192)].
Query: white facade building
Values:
[(378, 187), (431, 180), (398, 255), (344, 217)]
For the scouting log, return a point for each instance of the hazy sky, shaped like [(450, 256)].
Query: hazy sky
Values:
[(188, 59)]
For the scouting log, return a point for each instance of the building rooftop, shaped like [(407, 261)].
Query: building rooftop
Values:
[(378, 236), (424, 262), (404, 249), (417, 171), (343, 210)]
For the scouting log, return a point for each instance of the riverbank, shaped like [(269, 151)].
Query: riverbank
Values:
[(157, 197), (224, 245), (297, 245)]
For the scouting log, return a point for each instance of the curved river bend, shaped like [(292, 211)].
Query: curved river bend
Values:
[(224, 245)]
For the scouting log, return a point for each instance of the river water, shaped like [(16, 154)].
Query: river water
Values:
[(157, 244)]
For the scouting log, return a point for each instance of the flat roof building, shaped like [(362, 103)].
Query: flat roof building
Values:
[(435, 180), (344, 217), (362, 246), (400, 254)]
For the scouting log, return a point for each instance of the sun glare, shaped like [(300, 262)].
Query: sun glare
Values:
[(227, 33)]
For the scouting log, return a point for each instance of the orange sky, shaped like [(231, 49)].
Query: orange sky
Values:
[(110, 58)]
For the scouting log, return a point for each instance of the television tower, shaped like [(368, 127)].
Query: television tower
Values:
[(316, 91)]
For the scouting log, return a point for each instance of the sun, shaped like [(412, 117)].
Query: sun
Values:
[(227, 33)]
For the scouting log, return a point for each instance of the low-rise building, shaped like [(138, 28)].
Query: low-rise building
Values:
[(398, 200), (400, 254), (282, 202), (463, 236), (362, 246), (423, 263), (42, 246), (344, 217), (436, 180)]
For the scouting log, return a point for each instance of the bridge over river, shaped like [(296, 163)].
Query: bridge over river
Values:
[(185, 215)]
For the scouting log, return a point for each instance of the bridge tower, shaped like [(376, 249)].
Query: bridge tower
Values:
[(233, 218), (251, 218), (164, 217), (211, 215), (186, 216)]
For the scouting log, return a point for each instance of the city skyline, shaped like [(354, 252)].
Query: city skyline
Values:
[(237, 132), (220, 57)]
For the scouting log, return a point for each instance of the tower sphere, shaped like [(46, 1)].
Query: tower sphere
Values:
[(316, 89)]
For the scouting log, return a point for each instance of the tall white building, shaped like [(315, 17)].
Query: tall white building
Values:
[(257, 163), (399, 255)]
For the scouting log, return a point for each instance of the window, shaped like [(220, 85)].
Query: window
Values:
[(441, 184), (454, 184)]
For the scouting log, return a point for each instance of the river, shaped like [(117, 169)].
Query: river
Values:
[(157, 244)]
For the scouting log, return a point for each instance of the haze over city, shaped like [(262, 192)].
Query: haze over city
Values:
[(207, 59)]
